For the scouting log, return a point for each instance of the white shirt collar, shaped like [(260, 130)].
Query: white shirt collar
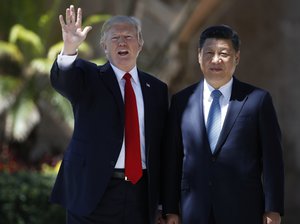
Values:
[(225, 90), (119, 73)]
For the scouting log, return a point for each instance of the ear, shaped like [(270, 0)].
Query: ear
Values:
[(140, 46), (237, 58), (104, 48), (199, 55)]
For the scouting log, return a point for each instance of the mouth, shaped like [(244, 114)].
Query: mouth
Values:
[(123, 52), (216, 69)]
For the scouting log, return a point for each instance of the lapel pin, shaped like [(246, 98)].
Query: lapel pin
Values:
[(147, 84)]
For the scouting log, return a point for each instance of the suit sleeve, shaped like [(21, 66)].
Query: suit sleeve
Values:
[(272, 159), (172, 158), (68, 82)]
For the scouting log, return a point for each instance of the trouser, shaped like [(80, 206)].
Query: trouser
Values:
[(122, 203)]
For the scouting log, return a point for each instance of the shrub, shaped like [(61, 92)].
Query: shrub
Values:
[(24, 199)]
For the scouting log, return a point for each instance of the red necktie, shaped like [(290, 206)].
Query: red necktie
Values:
[(133, 164)]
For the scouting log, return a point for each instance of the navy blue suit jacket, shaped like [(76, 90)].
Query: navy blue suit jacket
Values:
[(244, 176), (98, 108)]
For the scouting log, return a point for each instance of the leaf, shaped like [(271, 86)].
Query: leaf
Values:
[(55, 50), (84, 50), (12, 51), (9, 87), (63, 107), (40, 66), (20, 34), (22, 119)]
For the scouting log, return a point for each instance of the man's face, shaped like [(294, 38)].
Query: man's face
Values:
[(218, 61), (121, 46)]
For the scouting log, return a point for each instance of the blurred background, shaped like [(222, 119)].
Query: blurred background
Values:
[(36, 123)]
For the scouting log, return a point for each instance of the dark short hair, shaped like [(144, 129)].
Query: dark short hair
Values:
[(220, 32)]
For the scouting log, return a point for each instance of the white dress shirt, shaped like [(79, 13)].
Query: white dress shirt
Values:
[(65, 61), (224, 99)]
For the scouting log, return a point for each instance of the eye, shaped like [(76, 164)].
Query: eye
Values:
[(128, 37), (115, 38), (208, 53), (224, 54)]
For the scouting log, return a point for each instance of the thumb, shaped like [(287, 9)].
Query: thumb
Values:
[(264, 219), (86, 30)]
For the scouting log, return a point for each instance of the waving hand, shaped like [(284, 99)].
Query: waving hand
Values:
[(72, 32)]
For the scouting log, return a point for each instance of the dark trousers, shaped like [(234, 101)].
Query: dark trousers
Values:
[(122, 203), (211, 218)]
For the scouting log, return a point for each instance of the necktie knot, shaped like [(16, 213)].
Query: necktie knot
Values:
[(216, 94), (127, 77)]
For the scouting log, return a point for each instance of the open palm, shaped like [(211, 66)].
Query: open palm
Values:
[(72, 32)]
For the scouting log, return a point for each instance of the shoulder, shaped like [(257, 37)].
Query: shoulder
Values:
[(84, 65), (151, 79), (185, 93), (79, 62), (245, 89)]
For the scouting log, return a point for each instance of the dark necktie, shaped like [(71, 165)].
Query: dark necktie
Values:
[(133, 164), (214, 120)]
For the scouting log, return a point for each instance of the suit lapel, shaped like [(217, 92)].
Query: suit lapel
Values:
[(199, 105), (236, 103), (146, 88), (109, 78), (192, 125)]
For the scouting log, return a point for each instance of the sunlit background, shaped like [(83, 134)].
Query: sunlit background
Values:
[(36, 123)]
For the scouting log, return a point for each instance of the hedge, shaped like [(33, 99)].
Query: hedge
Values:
[(24, 199)]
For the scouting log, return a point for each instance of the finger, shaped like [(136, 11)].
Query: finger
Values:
[(79, 17), (86, 30), (72, 14), (67, 16), (61, 20)]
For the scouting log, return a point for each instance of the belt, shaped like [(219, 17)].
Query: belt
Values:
[(120, 174)]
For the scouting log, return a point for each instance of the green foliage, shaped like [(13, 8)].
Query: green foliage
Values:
[(28, 47), (8, 85), (20, 11), (24, 199), (23, 117), (40, 66), (55, 50), (11, 50), (27, 40), (11, 59), (95, 19)]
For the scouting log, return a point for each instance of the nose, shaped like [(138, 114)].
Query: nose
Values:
[(121, 40), (215, 58)]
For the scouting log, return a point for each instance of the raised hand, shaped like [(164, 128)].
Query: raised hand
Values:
[(72, 32)]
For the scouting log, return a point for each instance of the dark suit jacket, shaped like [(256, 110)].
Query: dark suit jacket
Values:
[(98, 110), (243, 178)]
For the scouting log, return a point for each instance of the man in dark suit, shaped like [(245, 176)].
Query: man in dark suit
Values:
[(110, 173), (224, 144)]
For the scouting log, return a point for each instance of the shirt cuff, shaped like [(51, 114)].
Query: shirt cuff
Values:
[(65, 61)]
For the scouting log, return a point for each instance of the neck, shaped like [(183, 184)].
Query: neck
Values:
[(217, 84)]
